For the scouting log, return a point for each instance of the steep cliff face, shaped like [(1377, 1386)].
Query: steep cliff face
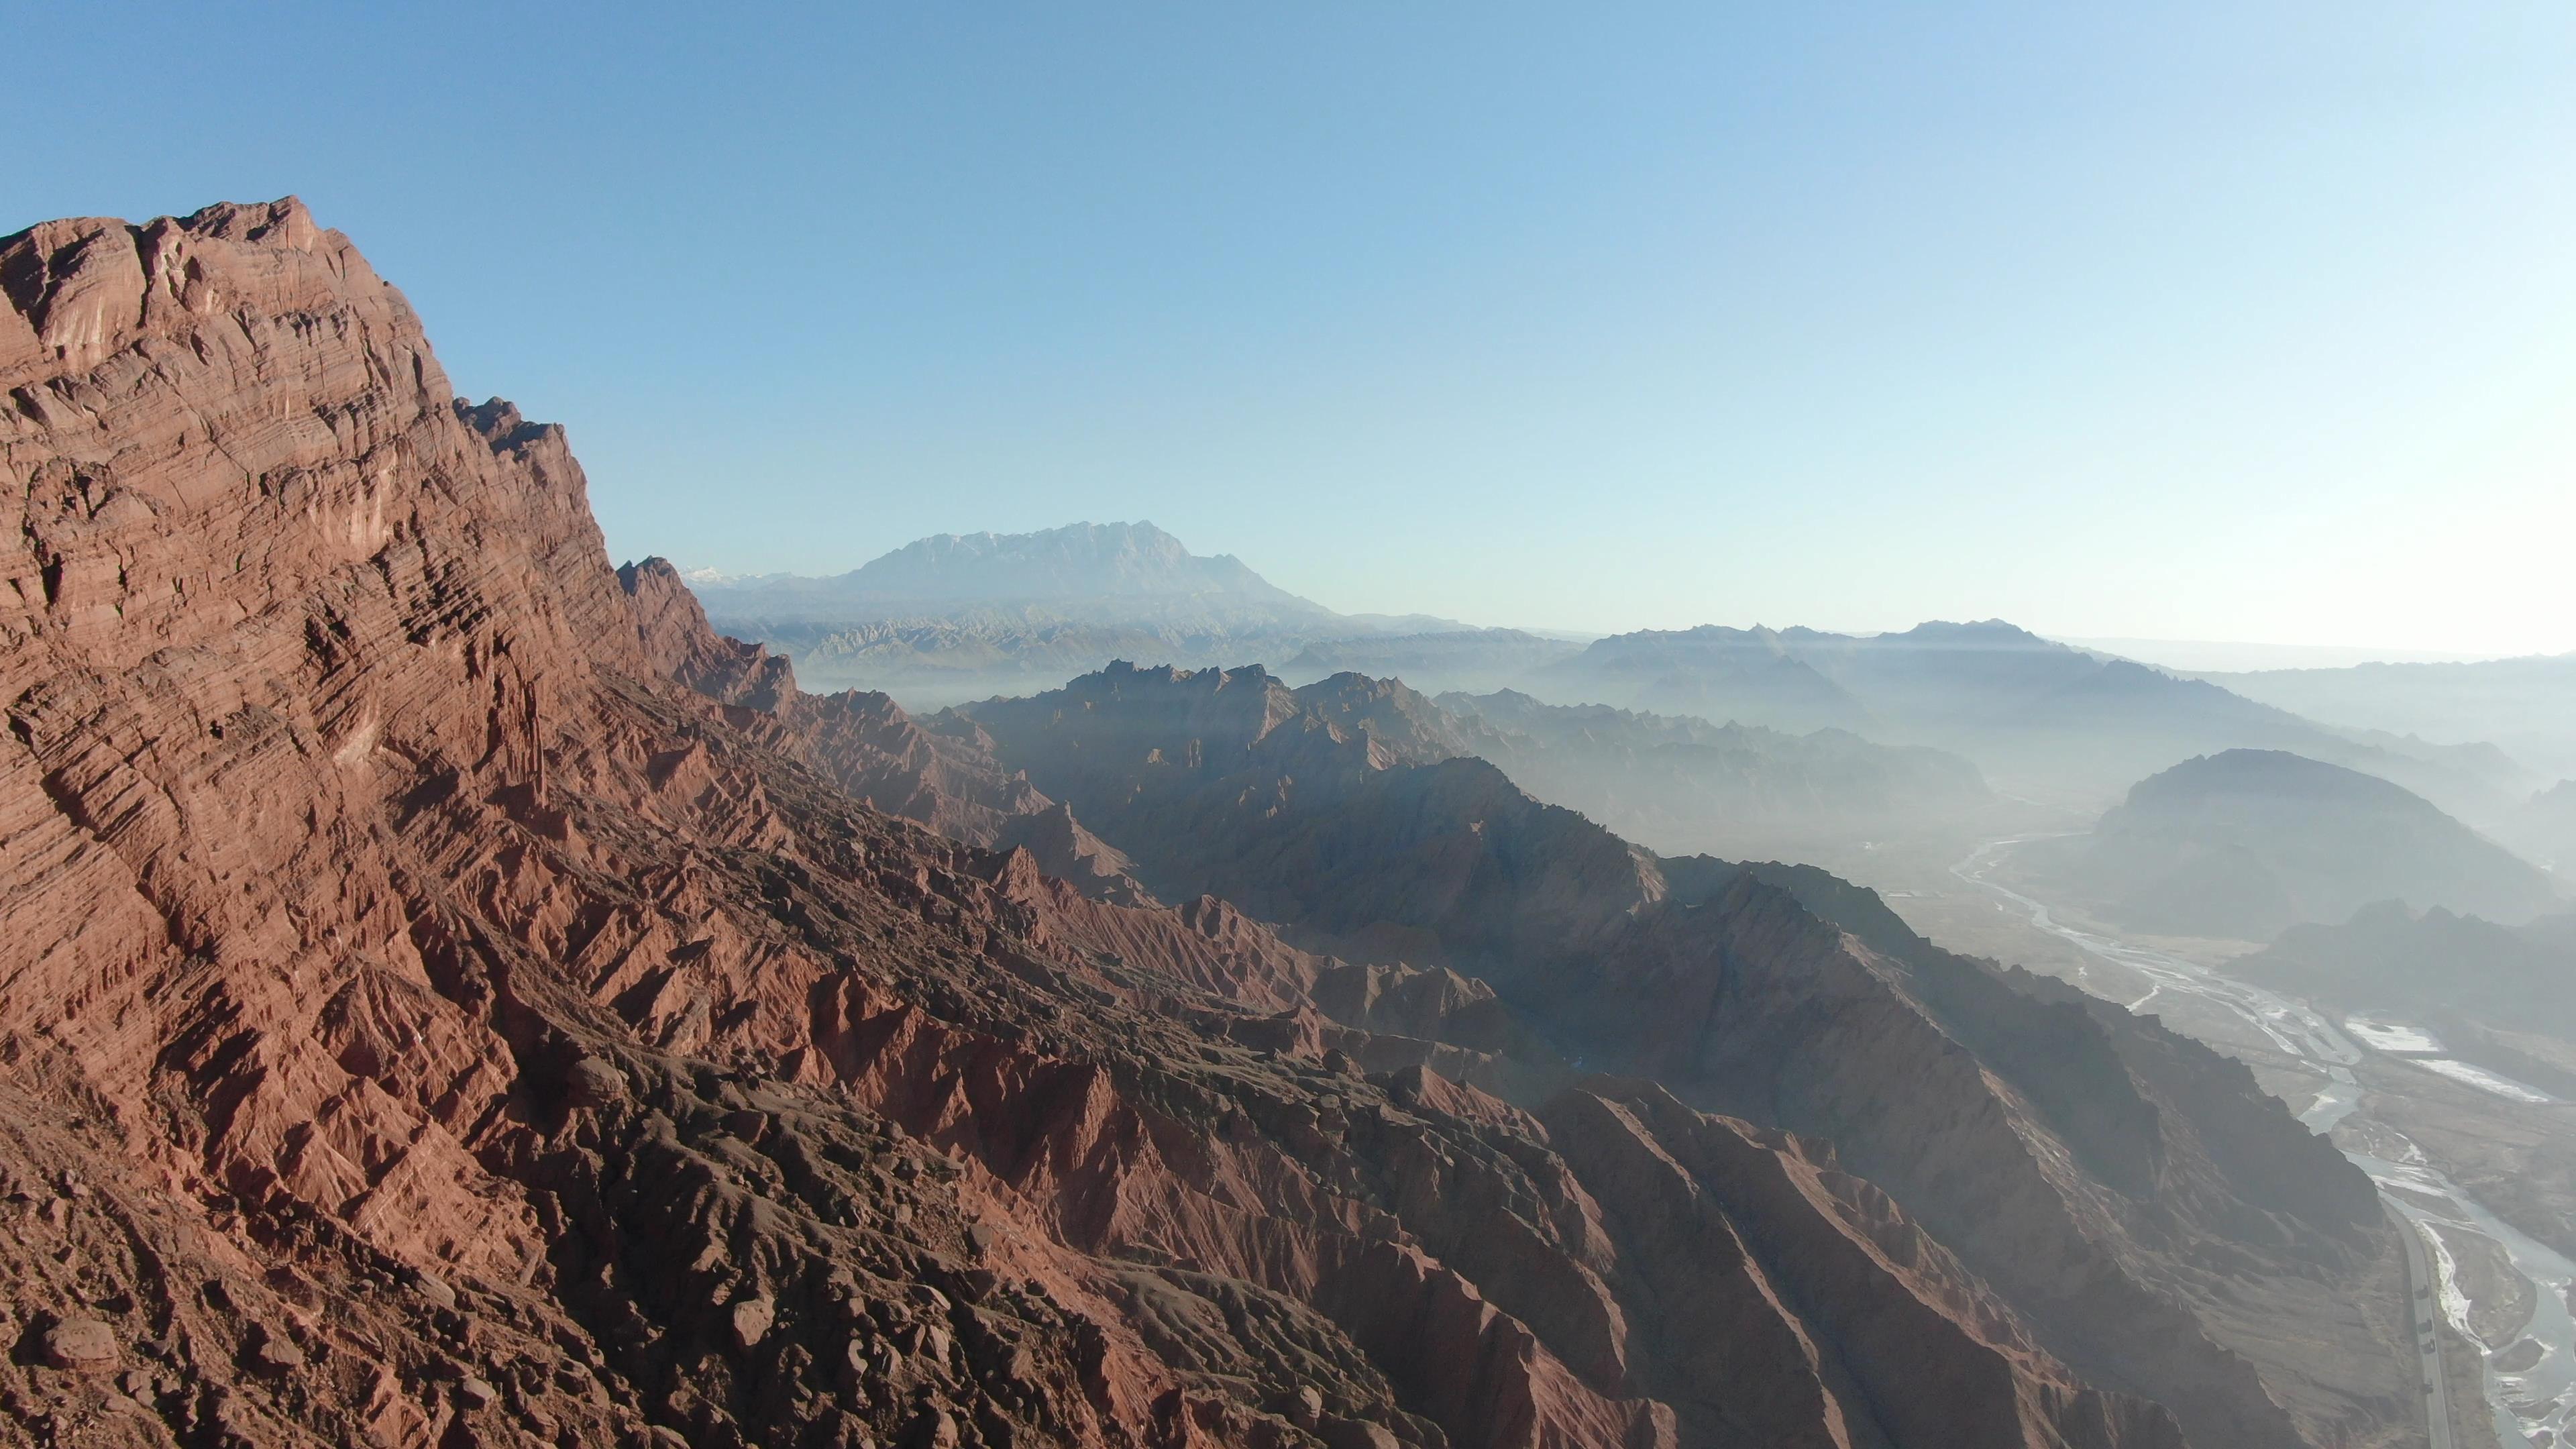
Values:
[(451, 996)]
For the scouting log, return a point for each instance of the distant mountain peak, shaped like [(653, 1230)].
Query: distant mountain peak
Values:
[(1984, 633), (1127, 573), (1078, 560)]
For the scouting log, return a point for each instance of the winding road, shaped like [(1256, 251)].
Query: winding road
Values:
[(2536, 1404)]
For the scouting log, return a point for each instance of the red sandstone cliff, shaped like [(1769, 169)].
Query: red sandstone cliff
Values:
[(450, 996)]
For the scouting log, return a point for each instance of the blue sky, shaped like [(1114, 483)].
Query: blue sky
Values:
[(2209, 321)]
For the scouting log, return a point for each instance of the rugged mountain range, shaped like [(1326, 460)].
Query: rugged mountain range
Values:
[(2035, 715), (452, 995), (2246, 843)]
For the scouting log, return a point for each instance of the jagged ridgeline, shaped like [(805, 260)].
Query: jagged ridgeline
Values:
[(452, 995)]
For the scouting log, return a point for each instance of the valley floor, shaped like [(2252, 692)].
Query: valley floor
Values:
[(2453, 1155)]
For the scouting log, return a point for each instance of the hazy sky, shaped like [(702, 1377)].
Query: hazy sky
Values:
[(2208, 321)]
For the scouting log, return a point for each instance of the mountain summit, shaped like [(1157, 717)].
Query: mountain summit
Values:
[(1080, 562), (955, 616)]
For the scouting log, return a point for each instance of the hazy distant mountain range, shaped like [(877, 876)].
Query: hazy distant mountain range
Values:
[(959, 617), (2207, 656), (2246, 843), (2036, 715), (1099, 572), (2527, 706)]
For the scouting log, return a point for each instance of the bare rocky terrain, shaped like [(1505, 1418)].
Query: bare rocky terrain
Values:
[(454, 996)]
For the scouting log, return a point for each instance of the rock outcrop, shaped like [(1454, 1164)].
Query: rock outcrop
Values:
[(452, 996)]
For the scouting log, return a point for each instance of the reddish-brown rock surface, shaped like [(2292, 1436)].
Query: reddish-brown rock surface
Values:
[(451, 996)]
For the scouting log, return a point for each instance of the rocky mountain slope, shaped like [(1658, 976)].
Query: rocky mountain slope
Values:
[(1671, 781), (453, 996), (2245, 843)]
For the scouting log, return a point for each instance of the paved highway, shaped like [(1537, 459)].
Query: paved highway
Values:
[(2427, 1310)]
